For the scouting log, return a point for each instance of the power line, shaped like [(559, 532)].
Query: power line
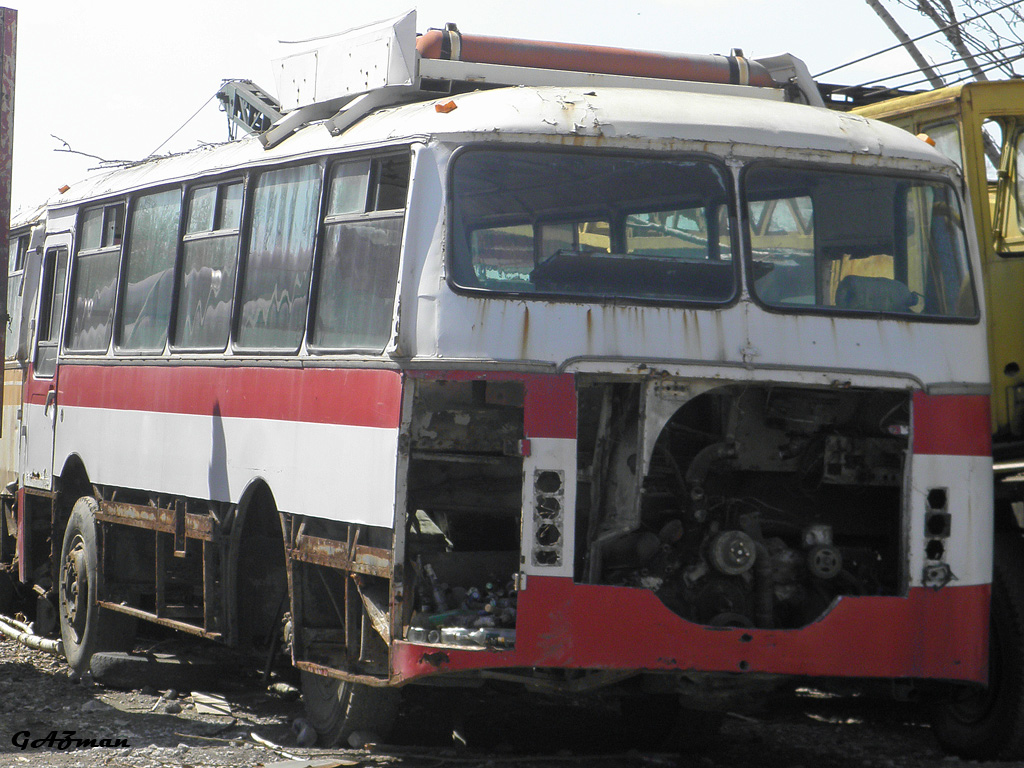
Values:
[(180, 127), (922, 37), (879, 91), (966, 70), (957, 60), (1007, 60)]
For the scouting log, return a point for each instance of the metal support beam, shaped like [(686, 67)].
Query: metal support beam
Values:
[(248, 107)]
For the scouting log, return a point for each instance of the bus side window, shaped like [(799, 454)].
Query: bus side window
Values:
[(358, 271), (208, 265), (94, 280), (275, 280), (149, 274)]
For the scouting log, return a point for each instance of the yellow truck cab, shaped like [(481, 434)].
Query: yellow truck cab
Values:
[(980, 125)]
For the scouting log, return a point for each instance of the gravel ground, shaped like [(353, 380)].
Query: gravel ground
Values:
[(164, 728)]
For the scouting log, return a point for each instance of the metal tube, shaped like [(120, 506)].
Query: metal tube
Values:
[(16, 631)]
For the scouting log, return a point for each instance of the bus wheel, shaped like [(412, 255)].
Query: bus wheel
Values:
[(85, 627), (989, 724), (336, 709)]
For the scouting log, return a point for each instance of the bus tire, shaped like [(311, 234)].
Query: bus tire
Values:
[(85, 627), (337, 708), (989, 724)]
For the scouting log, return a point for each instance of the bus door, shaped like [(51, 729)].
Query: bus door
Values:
[(40, 414)]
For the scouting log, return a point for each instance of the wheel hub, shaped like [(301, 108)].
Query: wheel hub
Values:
[(74, 588)]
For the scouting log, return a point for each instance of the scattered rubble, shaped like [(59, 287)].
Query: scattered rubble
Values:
[(88, 725)]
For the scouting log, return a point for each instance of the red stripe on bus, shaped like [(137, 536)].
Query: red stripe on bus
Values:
[(952, 425), (549, 400), (550, 406), (929, 633), (356, 397)]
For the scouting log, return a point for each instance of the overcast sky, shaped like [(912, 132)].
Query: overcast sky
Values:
[(115, 78)]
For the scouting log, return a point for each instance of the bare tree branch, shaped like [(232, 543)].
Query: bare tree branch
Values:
[(67, 148), (951, 30), (904, 38)]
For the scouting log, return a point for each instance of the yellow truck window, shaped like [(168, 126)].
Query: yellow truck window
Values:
[(1018, 186)]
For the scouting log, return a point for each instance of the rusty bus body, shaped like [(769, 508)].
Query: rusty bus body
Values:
[(665, 391)]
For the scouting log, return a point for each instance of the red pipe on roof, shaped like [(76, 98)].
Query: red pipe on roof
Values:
[(451, 44)]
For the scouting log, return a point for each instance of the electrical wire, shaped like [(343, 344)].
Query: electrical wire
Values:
[(1010, 59), (1001, 62), (193, 117), (921, 37), (968, 72)]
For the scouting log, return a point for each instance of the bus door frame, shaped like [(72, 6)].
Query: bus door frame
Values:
[(40, 405)]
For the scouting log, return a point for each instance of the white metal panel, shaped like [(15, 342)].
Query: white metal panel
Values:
[(296, 79), (333, 471), (357, 61), (967, 481), (744, 336), (10, 464), (37, 454), (556, 454), (422, 266)]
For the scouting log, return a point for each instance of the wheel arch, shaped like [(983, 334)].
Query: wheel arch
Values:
[(256, 583), (72, 484)]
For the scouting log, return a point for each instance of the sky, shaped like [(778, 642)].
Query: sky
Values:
[(116, 78)]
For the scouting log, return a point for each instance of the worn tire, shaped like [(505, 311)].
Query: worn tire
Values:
[(85, 627), (336, 709), (989, 724)]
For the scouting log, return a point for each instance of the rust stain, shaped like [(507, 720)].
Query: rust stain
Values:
[(524, 342), (436, 659), (720, 331)]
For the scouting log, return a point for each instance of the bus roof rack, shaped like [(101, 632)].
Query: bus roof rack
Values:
[(351, 74)]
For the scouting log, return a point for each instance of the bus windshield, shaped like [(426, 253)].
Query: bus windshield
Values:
[(589, 225), (856, 242)]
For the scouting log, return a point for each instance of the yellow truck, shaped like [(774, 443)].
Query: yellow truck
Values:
[(981, 126)]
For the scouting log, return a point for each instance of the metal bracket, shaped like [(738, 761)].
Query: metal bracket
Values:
[(179, 528)]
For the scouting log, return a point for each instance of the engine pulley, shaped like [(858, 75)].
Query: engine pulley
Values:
[(824, 561), (732, 552)]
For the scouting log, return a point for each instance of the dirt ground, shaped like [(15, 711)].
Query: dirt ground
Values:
[(494, 729)]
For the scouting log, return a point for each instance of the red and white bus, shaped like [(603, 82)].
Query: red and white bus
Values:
[(665, 388)]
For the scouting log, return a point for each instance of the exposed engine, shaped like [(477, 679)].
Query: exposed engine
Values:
[(742, 505)]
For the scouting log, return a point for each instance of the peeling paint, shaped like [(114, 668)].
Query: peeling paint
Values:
[(436, 659)]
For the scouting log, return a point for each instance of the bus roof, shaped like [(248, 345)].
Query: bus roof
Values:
[(607, 117)]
